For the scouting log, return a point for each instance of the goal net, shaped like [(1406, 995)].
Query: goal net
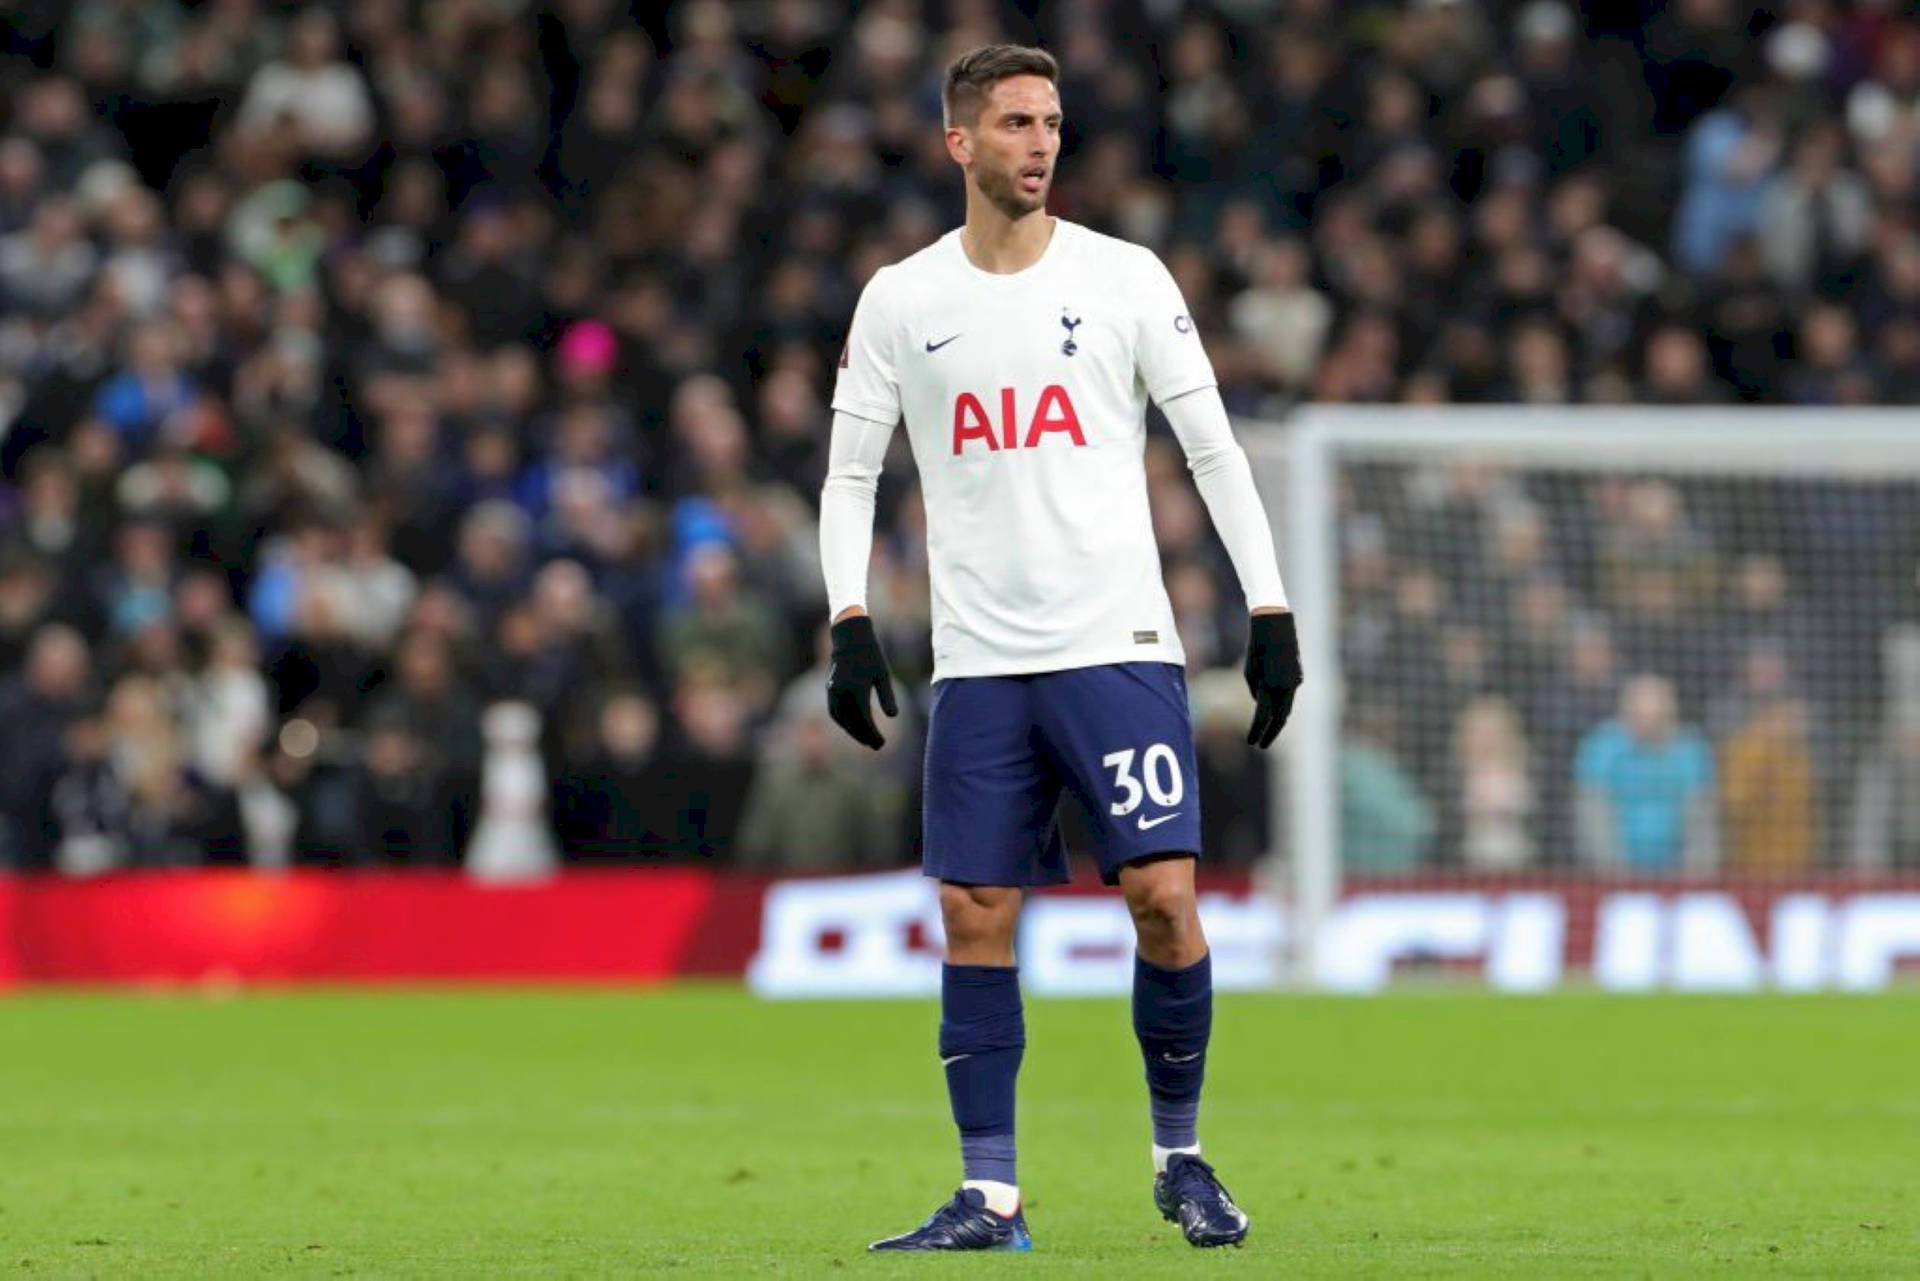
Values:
[(1621, 695)]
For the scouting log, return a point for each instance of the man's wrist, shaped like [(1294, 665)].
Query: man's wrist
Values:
[(1274, 628), (853, 629)]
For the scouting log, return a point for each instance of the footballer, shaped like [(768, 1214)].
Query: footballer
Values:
[(1021, 350)]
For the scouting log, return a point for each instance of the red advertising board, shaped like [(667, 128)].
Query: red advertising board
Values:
[(9, 957), (879, 934), (323, 927)]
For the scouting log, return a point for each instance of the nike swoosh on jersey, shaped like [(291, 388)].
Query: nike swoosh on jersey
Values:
[(936, 346), (1146, 823)]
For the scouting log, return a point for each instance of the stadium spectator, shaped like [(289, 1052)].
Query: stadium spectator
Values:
[(1748, 322), (1386, 820), (1583, 691), (1763, 609), (37, 704), (1281, 316), (312, 91), (1766, 790), (28, 601), (149, 757), (1538, 622), (47, 265), (376, 589), (1495, 793), (490, 571), (1830, 368), (53, 113), (1658, 571), (1814, 222), (20, 178), (559, 642), (725, 619), (47, 520), (614, 800), (710, 764), (1406, 675), (425, 690), (137, 588), (813, 806), (1677, 371), (228, 712), (1645, 788), (393, 805), (1884, 811), (89, 809), (1539, 367), (1730, 159)]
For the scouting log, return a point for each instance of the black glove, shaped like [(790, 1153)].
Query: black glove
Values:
[(1273, 674), (858, 666)]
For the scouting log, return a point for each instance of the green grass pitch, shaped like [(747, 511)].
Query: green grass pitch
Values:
[(698, 1132)]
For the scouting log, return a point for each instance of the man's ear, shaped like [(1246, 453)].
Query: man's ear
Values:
[(960, 145)]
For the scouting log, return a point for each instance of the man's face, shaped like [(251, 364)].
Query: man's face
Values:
[(1647, 708), (1010, 151)]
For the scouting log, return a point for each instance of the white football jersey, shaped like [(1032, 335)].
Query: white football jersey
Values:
[(1025, 398)]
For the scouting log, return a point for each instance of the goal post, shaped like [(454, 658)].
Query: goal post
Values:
[(1494, 542)]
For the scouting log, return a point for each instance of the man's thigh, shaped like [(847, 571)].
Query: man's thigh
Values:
[(1121, 738), (990, 791)]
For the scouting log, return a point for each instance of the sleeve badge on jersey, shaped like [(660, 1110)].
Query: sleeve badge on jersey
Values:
[(1183, 324)]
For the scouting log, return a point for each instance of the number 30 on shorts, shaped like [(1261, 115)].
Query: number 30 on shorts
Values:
[(1159, 771)]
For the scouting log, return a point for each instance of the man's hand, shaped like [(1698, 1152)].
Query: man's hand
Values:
[(1273, 674), (857, 667)]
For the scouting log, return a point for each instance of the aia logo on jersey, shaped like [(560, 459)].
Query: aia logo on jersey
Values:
[(1053, 413)]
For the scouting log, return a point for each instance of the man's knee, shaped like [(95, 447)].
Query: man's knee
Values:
[(1161, 899), (1166, 917), (1166, 905), (979, 916)]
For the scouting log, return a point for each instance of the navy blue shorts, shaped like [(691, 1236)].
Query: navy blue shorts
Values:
[(1001, 748)]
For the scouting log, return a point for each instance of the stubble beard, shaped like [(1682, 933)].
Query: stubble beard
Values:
[(1001, 187)]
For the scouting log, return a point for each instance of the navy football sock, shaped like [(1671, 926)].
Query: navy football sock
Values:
[(1173, 1016), (983, 1034)]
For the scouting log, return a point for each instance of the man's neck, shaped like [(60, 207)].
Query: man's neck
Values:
[(1002, 245)]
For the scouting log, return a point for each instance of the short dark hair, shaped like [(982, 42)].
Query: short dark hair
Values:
[(977, 71)]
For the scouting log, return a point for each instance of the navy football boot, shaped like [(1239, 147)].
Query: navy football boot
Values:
[(1189, 1194), (963, 1223)]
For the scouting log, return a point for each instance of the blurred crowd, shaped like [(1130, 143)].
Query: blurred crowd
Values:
[(366, 364), (1631, 674)]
